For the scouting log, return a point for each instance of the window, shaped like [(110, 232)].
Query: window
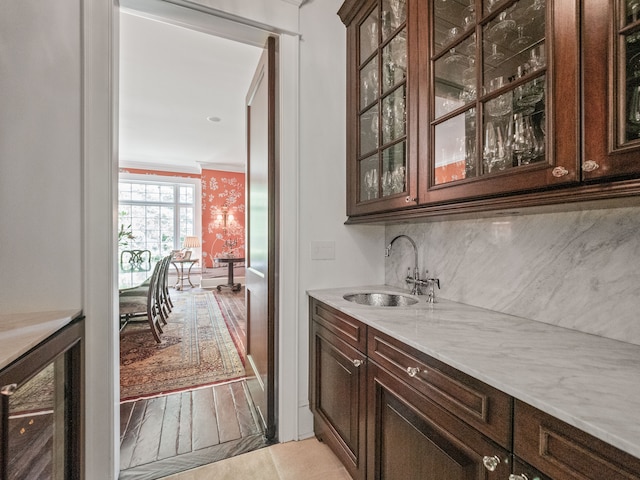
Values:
[(158, 215)]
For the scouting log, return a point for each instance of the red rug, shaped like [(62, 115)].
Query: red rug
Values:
[(197, 349)]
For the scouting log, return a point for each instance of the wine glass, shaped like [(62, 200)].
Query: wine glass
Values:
[(494, 153), (523, 141), (500, 31), (522, 41), (495, 57)]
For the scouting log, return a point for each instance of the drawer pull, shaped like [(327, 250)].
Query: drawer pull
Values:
[(491, 463), (413, 371), (522, 476), (357, 362), (8, 390)]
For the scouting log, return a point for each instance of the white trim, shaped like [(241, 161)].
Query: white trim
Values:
[(100, 175), (288, 374)]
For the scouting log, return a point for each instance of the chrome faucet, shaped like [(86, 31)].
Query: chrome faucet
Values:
[(415, 280)]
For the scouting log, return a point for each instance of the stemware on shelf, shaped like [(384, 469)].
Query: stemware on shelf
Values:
[(495, 155), (495, 56), (523, 139), (522, 41), (500, 30)]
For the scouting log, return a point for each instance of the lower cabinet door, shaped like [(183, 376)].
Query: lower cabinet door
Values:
[(410, 437), (338, 398), (522, 471)]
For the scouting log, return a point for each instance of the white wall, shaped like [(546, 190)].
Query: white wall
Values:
[(40, 156), (359, 250)]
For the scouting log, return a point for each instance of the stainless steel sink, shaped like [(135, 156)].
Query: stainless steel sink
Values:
[(380, 299)]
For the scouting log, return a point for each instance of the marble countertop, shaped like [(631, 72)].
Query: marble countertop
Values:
[(20, 332), (590, 382)]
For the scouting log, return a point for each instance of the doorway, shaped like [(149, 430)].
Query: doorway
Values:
[(163, 405), (100, 87)]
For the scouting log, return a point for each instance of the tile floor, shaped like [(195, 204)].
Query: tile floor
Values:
[(307, 459)]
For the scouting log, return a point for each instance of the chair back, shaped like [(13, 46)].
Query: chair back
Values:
[(135, 260)]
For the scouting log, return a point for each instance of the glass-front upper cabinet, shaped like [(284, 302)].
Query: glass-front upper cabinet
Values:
[(378, 156), (499, 97), (611, 97)]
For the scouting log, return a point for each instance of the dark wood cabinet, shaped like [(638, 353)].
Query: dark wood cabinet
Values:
[(471, 106), (41, 407), (611, 83), (390, 412), (382, 104), (411, 437), (483, 407), (338, 386), (564, 452)]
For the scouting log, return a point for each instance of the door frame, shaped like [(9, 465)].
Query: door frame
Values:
[(99, 170)]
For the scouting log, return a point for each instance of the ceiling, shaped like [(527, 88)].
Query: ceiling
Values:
[(172, 78)]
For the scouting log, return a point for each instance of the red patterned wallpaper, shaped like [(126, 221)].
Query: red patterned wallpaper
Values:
[(222, 192)]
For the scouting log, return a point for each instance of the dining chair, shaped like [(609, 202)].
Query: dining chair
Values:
[(144, 305)]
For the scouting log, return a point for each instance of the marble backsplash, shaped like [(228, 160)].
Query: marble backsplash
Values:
[(579, 270)]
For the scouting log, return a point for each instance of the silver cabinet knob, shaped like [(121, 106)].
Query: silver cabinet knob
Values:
[(491, 463), (559, 172), (589, 166), (410, 199), (413, 371), (8, 390), (357, 362), (522, 476)]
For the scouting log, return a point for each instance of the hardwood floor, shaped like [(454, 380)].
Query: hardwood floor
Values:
[(180, 431)]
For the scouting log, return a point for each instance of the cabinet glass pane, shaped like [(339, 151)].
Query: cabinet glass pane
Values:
[(394, 14), (514, 128), (393, 115), (455, 148), (369, 178), (513, 43), (369, 130), (632, 11), (394, 160), (36, 440), (394, 61), (455, 77), (369, 38), (369, 83), (452, 20), (631, 72)]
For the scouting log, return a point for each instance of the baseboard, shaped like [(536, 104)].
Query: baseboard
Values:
[(214, 282)]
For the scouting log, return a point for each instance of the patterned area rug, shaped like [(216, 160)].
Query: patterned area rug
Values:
[(197, 349)]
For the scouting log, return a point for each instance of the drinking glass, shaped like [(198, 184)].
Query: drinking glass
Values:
[(494, 154), (501, 105), (495, 57), (500, 30), (537, 58), (523, 139), (522, 41)]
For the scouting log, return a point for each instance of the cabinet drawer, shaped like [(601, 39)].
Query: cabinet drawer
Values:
[(485, 408), (566, 453), (346, 328)]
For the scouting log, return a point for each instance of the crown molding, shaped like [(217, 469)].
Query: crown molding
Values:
[(163, 167)]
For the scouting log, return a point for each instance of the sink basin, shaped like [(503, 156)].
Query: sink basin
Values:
[(380, 299)]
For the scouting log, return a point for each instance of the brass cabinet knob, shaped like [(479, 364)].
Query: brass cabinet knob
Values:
[(559, 172), (410, 199), (357, 362), (589, 166), (522, 476)]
